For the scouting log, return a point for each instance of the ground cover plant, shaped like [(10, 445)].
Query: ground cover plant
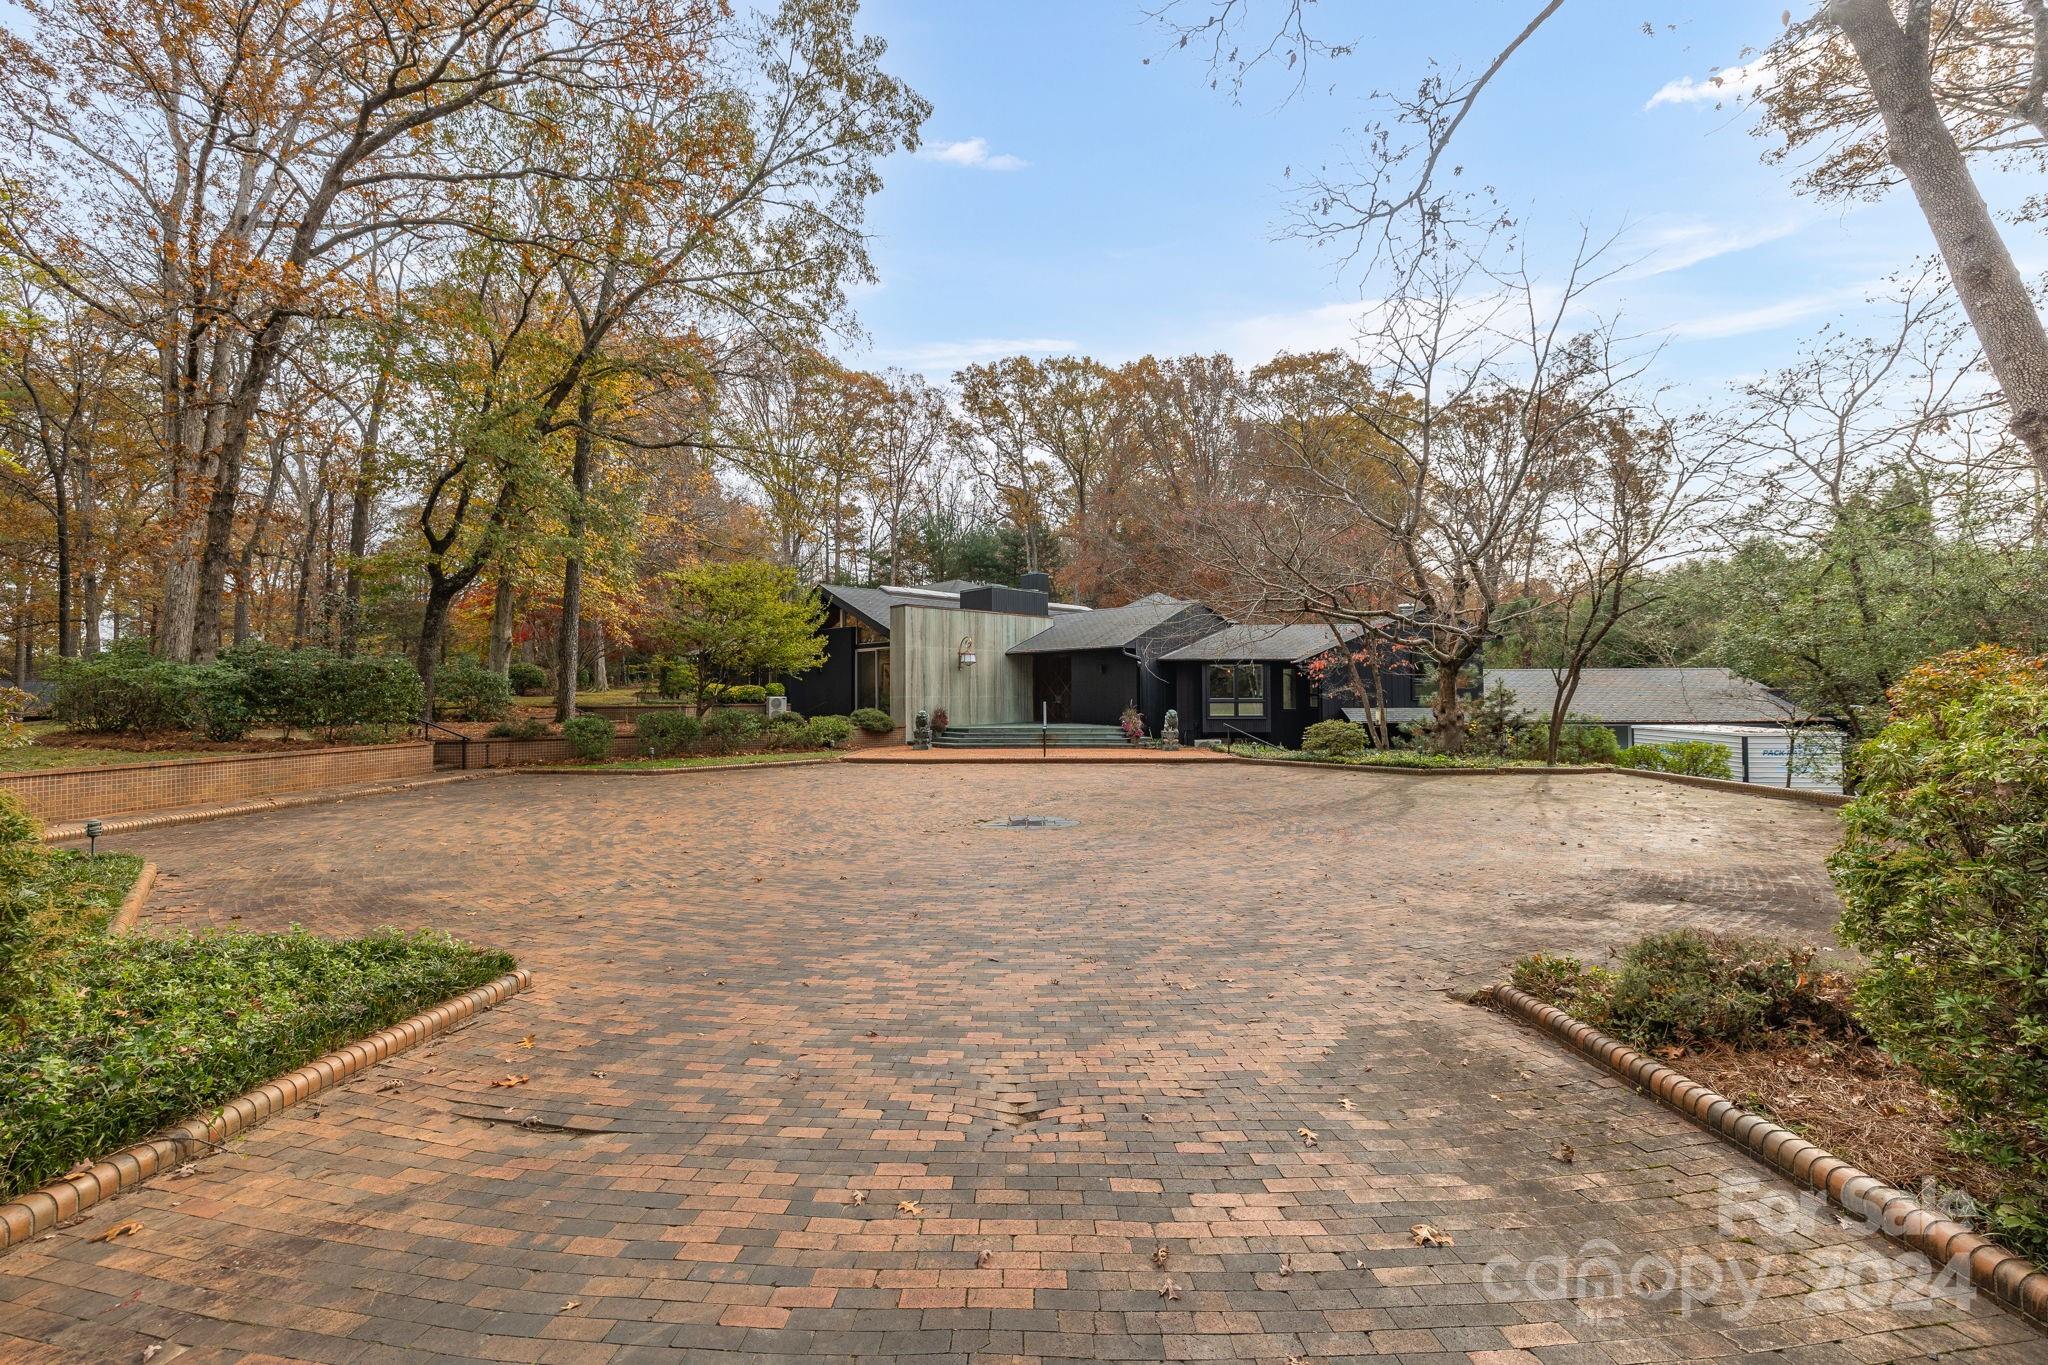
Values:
[(107, 1038), (1778, 1031), (142, 1032)]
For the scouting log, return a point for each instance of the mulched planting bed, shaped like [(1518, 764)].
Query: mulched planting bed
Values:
[(1853, 1100), (1772, 1027)]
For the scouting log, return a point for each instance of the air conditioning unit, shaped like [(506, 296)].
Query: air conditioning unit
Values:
[(777, 705)]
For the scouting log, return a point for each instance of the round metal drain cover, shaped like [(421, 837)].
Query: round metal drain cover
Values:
[(1030, 822)]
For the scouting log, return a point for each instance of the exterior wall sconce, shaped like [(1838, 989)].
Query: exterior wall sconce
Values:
[(967, 651)]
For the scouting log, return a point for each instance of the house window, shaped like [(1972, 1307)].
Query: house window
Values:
[(871, 679), (1237, 691), (1289, 701)]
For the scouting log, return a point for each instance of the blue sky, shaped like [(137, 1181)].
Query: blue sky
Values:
[(1072, 197)]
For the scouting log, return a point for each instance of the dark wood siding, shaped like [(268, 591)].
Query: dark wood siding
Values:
[(827, 690), (1105, 682)]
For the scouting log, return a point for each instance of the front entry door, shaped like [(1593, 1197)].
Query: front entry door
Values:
[(1052, 687)]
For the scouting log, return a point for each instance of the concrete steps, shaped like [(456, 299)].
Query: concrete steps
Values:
[(1065, 736)]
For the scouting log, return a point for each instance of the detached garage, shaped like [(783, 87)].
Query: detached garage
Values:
[(1805, 759), (1770, 740)]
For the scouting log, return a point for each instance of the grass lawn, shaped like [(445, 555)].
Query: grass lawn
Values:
[(37, 757), (648, 765)]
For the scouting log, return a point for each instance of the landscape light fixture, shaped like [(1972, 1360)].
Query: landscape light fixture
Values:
[(967, 651), (92, 840)]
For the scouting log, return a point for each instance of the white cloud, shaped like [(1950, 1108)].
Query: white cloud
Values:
[(944, 357), (972, 152), (1766, 317), (1677, 244), (1734, 83)]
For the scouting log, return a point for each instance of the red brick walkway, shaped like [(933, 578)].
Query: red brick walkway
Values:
[(820, 1068)]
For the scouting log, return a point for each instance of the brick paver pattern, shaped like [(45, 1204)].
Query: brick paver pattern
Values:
[(817, 1067)]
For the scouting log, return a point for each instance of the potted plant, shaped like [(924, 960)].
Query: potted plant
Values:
[(1133, 724), (939, 721)]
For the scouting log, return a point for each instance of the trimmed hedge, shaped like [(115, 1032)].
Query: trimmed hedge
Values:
[(873, 720), (147, 1031), (125, 690)]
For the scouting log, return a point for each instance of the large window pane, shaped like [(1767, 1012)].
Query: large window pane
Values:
[(1251, 690)]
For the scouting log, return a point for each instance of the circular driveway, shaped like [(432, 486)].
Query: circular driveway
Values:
[(818, 1066)]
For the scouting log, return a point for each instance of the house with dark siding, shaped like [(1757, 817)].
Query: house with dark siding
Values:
[(994, 656)]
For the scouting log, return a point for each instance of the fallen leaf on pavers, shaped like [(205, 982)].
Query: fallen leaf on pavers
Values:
[(1307, 1136), (598, 1074), (1565, 1153), (911, 1207), (982, 1258), (124, 1229), (859, 1197), (507, 1082), (1348, 1104), (573, 1303), (1169, 1291), (185, 1171), (1428, 1235), (527, 1041), (1286, 1265), (1159, 1255)]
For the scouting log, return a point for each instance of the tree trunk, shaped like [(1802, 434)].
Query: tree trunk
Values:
[(600, 674), (441, 595), (359, 519), (567, 642), (1979, 263), (67, 640), (503, 614)]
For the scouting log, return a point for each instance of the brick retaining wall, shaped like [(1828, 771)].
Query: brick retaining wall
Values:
[(59, 794), (512, 753)]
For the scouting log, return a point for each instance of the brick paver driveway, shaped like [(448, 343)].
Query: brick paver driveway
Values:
[(820, 1068)]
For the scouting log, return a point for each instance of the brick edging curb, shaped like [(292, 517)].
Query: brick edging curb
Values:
[(2005, 1275), (131, 905), (73, 830), (1828, 799), (534, 770), (62, 1200)]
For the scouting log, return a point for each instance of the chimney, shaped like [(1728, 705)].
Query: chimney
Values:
[(1036, 582)]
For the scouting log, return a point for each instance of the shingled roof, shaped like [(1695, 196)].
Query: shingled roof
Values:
[(1108, 627), (872, 604), (1260, 644), (1652, 696)]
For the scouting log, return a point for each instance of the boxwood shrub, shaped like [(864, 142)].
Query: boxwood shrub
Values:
[(466, 690), (828, 732), (664, 734), (725, 731), (590, 737), (527, 679), (873, 720), (1334, 739)]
